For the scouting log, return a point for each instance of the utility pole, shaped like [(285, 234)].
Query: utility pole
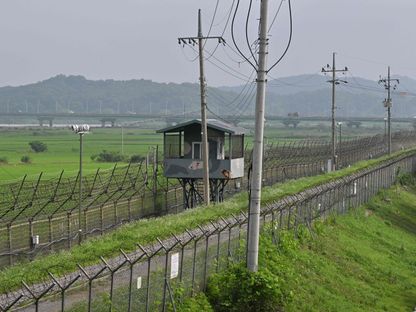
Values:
[(255, 190), (387, 82), (334, 81), (200, 41)]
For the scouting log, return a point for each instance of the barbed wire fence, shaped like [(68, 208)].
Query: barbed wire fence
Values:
[(157, 277), (39, 216)]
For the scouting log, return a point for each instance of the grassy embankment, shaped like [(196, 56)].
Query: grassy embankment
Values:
[(362, 261), (145, 231)]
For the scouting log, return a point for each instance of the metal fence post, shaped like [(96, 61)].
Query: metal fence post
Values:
[(63, 288), (38, 296), (90, 278)]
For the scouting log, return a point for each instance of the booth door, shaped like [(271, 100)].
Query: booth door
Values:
[(216, 149), (212, 147)]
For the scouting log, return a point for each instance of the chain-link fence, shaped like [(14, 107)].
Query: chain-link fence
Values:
[(155, 278), (40, 216)]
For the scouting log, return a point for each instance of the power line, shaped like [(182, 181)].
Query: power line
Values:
[(243, 60), (276, 81), (223, 31), (248, 82), (236, 72), (275, 16), (240, 108), (249, 98), (247, 39), (289, 41), (213, 19), (234, 41)]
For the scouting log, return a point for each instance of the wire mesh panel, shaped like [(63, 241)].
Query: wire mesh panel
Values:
[(149, 280)]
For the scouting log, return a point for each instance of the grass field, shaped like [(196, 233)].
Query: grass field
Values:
[(63, 149), (63, 146)]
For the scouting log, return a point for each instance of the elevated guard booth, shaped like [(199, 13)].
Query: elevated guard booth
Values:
[(183, 157)]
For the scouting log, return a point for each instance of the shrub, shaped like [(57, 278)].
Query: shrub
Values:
[(3, 160), (25, 159), (108, 156), (191, 304), (237, 289), (136, 158), (38, 146)]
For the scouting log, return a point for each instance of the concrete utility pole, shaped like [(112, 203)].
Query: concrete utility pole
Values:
[(387, 82), (200, 41), (334, 81), (255, 190)]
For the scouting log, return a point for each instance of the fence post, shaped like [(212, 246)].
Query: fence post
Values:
[(39, 296), (9, 242), (131, 264), (68, 228), (90, 280), (112, 272), (63, 288), (166, 281), (50, 232), (149, 263)]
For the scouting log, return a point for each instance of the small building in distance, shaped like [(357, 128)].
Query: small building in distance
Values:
[(183, 157)]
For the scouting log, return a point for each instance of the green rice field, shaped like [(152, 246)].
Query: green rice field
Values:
[(63, 146), (63, 150)]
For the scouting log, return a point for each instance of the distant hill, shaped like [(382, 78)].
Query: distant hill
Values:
[(309, 95), (77, 94)]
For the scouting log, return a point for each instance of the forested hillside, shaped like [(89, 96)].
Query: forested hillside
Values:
[(309, 95)]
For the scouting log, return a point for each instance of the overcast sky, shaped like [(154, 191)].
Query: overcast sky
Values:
[(126, 39)]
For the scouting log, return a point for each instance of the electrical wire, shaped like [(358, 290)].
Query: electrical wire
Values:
[(249, 82), (241, 107), (290, 38), (233, 37), (242, 101), (186, 56), (213, 18), (236, 72), (216, 115), (238, 54), (247, 38), (275, 16), (308, 77), (249, 100), (225, 27)]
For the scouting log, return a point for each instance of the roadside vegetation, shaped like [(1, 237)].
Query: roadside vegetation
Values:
[(362, 261), (147, 230)]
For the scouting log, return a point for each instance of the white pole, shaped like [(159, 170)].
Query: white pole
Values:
[(255, 198)]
